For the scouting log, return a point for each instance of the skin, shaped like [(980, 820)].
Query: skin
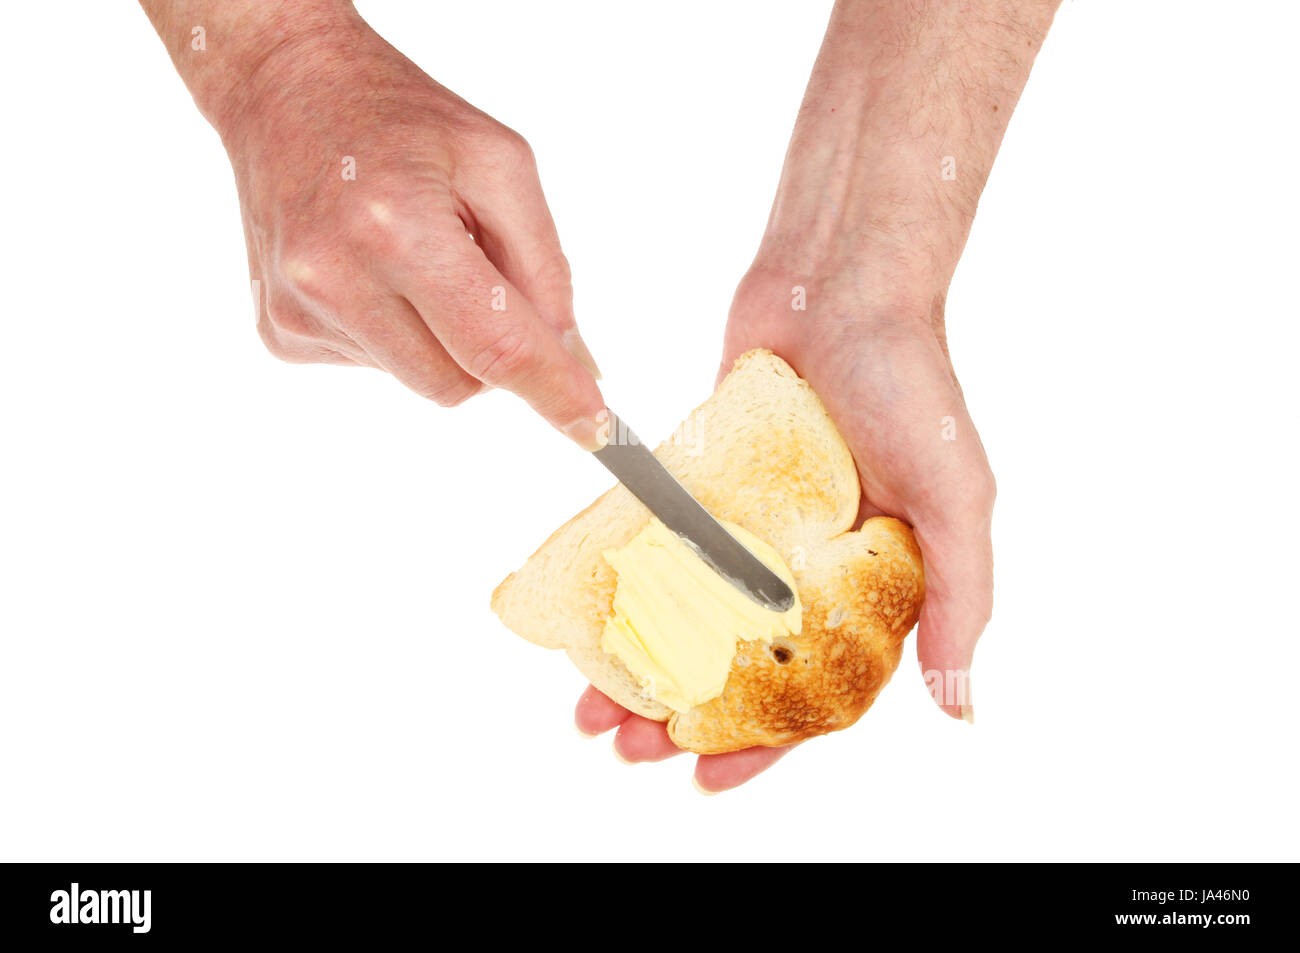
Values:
[(434, 257), (405, 265), (866, 222)]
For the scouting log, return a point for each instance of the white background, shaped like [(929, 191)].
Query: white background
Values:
[(244, 605)]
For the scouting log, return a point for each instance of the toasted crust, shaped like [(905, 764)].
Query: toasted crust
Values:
[(762, 453), (859, 605)]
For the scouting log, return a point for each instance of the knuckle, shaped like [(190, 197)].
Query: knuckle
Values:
[(500, 150), (554, 272), (986, 489), (506, 355), (287, 318), (514, 148), (374, 224), (302, 271)]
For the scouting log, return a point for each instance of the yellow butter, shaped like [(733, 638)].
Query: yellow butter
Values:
[(676, 622)]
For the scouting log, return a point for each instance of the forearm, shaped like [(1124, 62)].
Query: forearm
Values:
[(903, 115), (223, 48)]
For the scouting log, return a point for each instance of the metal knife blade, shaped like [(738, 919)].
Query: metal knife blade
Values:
[(650, 482)]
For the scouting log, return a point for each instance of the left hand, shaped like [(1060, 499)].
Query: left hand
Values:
[(877, 357)]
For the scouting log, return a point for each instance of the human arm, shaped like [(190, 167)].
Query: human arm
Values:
[(904, 113), (361, 182)]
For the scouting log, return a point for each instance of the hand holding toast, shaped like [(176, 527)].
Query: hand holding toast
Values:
[(886, 382), (893, 144)]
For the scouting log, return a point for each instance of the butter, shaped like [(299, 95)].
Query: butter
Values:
[(676, 622)]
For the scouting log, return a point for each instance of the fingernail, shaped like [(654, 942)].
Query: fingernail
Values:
[(695, 782), (575, 345), (584, 734), (590, 433), (614, 747), (968, 714)]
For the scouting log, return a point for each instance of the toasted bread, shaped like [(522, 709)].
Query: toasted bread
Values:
[(763, 453)]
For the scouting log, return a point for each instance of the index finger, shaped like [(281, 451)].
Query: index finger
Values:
[(495, 335)]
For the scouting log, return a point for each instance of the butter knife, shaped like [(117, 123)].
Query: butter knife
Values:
[(650, 482)]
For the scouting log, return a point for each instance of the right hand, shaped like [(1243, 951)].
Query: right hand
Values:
[(391, 224)]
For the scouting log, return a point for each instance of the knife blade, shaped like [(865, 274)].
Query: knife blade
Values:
[(650, 482)]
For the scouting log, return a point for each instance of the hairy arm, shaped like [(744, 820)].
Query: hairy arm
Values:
[(221, 47), (904, 113)]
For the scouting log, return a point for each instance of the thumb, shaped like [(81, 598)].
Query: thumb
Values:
[(958, 603)]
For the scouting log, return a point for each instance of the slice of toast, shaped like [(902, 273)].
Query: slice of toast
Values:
[(763, 453)]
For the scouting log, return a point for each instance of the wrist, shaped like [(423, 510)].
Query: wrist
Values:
[(864, 270), (868, 202), (829, 305), (893, 144), (230, 52)]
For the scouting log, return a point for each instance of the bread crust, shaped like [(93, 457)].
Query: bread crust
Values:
[(858, 609), (762, 453)]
